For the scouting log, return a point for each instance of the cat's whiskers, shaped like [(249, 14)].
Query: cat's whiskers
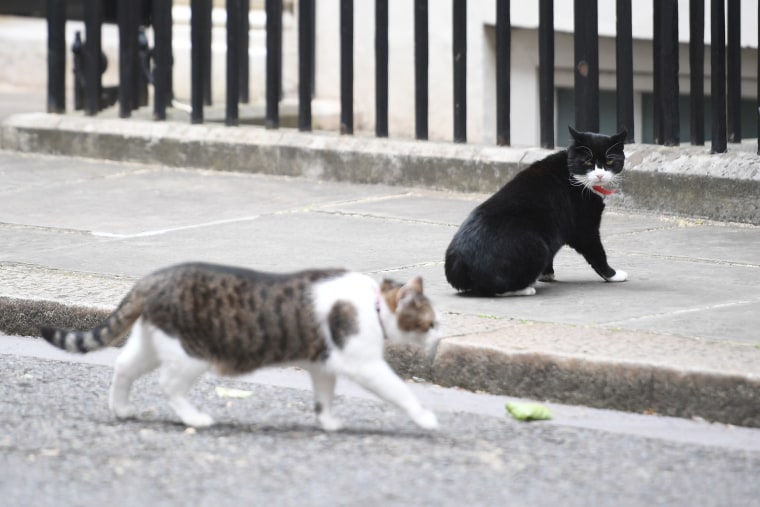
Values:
[(576, 181)]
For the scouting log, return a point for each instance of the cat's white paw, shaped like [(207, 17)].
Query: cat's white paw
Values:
[(527, 291), (198, 420), (619, 276), (426, 419), (329, 423), (123, 411)]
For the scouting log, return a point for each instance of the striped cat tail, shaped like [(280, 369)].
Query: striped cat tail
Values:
[(107, 333)]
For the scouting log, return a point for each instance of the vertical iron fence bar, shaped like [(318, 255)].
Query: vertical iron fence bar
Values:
[(624, 64), (421, 69), (381, 68), (758, 84), (142, 67), (734, 72), (207, 34), (459, 50), (669, 73), (197, 62), (503, 59), (93, 17), (313, 46), (346, 66), (274, 63), (162, 51), (697, 70), (56, 48), (305, 62), (233, 60), (78, 48), (135, 15), (127, 15), (718, 75), (656, 73), (546, 71), (244, 61), (586, 65)]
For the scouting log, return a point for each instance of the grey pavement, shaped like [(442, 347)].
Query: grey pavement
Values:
[(679, 338), (60, 446)]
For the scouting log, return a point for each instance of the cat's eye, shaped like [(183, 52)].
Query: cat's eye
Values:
[(588, 163), (609, 161)]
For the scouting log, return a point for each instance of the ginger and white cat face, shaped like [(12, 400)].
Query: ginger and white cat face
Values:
[(416, 321)]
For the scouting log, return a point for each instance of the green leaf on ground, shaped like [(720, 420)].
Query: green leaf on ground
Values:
[(528, 411)]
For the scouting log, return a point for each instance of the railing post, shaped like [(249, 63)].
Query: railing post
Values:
[(656, 73), (56, 26), (128, 21), (733, 72), (503, 62), (697, 70), (243, 60), (381, 68), (346, 66), (624, 64), (546, 71), (92, 59), (77, 48), (207, 28), (586, 65), (162, 57), (459, 50), (421, 69), (305, 62), (668, 59), (233, 59), (718, 75), (197, 62), (274, 62)]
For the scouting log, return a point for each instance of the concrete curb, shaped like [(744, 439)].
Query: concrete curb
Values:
[(681, 180), (461, 362)]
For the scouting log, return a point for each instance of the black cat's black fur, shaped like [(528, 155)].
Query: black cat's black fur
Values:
[(509, 241)]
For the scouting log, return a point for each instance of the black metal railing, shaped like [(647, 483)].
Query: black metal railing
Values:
[(725, 65)]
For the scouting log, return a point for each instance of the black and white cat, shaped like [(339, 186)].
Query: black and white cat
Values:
[(509, 241), (192, 318)]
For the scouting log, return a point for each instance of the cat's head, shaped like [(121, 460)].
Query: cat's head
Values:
[(414, 316), (595, 160)]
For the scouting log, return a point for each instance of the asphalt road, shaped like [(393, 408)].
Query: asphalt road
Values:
[(59, 446)]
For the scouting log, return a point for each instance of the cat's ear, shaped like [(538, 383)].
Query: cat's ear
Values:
[(388, 285), (413, 285), (574, 133), (621, 136)]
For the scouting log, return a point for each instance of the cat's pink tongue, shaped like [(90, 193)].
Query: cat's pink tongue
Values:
[(603, 190)]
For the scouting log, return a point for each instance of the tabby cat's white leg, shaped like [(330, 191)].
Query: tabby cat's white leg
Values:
[(178, 374), (377, 377), (137, 358), (324, 389), (176, 380)]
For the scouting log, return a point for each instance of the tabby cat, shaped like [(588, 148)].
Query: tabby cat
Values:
[(194, 317), (509, 241)]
